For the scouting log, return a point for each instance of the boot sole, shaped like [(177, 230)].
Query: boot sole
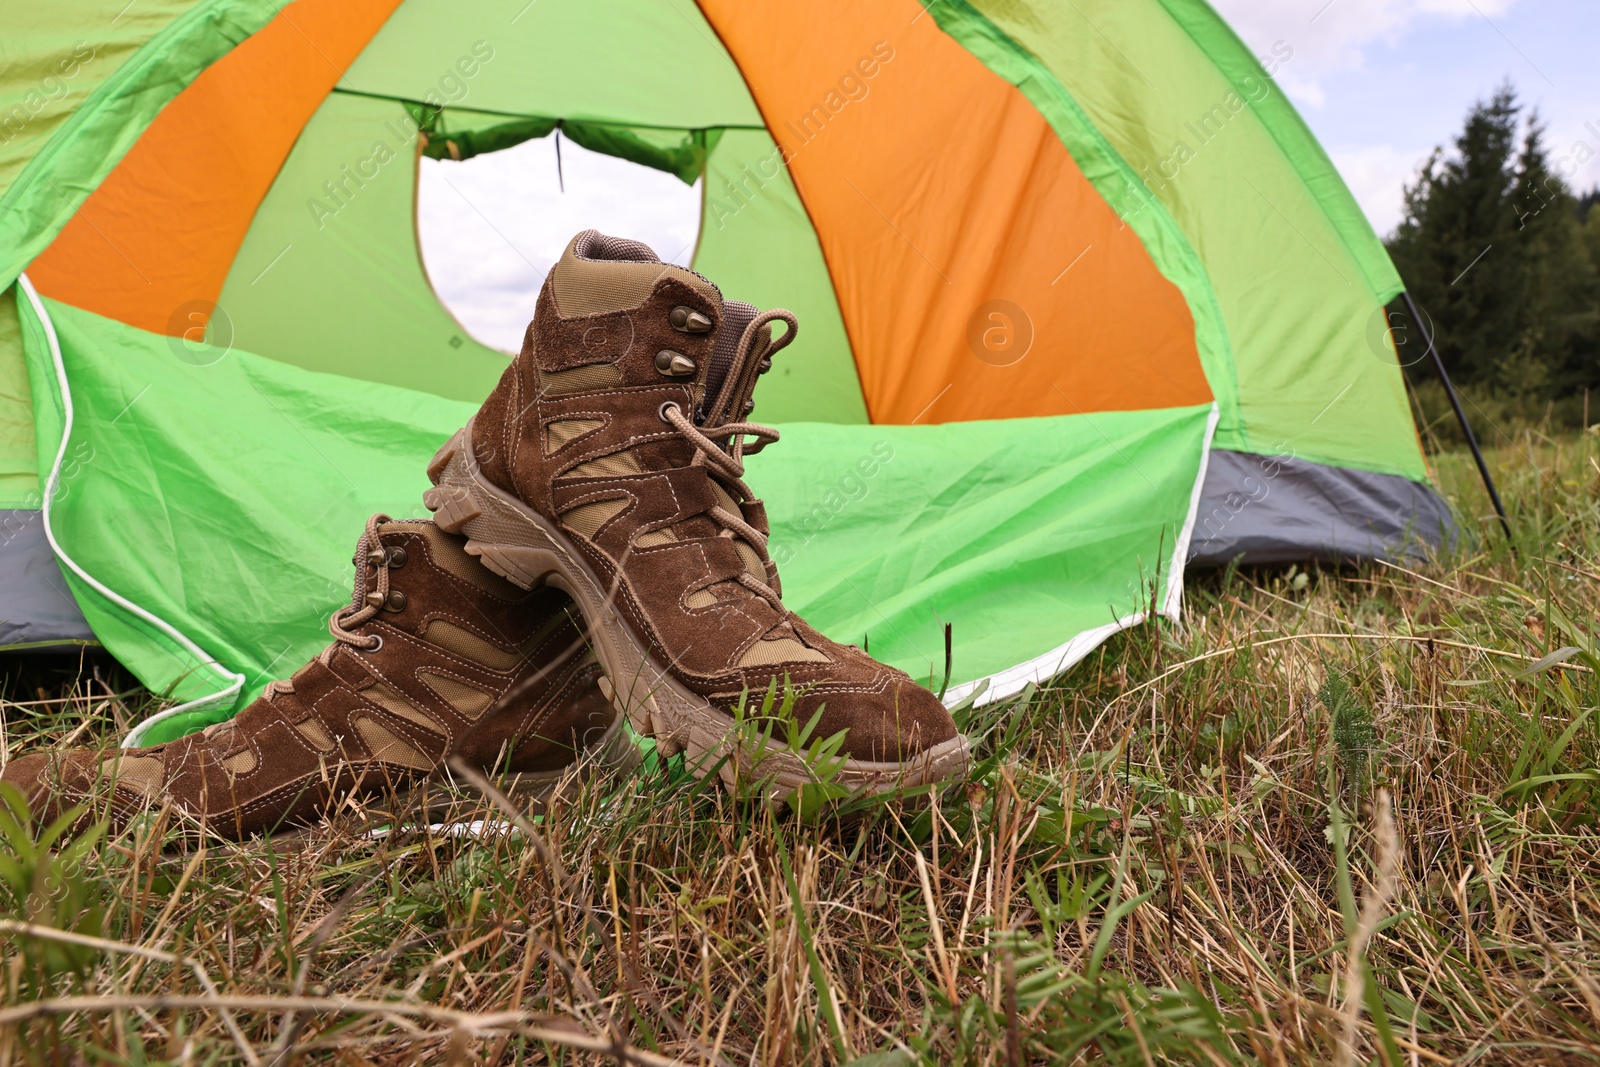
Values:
[(529, 791), (532, 791), (525, 548)]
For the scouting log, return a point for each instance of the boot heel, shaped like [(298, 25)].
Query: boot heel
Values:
[(441, 459), (452, 507)]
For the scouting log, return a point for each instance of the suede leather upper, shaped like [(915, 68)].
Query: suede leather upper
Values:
[(512, 688), (678, 568)]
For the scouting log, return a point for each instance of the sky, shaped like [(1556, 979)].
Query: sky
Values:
[(490, 227), (1380, 82)]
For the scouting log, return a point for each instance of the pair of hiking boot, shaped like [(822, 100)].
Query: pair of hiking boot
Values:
[(594, 555)]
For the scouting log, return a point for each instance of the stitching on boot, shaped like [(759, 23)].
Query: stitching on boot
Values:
[(475, 685), (461, 583), (603, 418), (537, 714), (465, 623)]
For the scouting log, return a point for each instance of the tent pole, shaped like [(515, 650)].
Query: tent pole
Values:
[(1461, 416)]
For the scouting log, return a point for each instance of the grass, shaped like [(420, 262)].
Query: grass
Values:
[(1339, 816)]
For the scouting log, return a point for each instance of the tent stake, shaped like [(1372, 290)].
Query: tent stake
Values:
[(1461, 416)]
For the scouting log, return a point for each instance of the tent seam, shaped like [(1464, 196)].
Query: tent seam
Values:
[(1344, 464), (799, 192), (540, 115), (52, 483), (1049, 84)]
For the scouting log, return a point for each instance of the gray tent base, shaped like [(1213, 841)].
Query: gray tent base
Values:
[(36, 608), (1267, 509), (1278, 509)]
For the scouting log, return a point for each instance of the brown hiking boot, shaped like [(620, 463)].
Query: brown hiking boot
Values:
[(608, 462), (434, 659)]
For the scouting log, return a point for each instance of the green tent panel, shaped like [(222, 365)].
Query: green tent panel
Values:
[(19, 466), (350, 267)]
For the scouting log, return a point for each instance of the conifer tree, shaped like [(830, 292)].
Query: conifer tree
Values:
[(1492, 247)]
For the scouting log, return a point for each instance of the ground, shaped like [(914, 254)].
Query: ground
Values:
[(1342, 816)]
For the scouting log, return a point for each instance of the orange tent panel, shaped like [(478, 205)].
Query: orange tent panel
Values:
[(161, 231), (1017, 291)]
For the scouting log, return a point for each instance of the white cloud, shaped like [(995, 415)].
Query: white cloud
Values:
[(1330, 35), (1333, 38), (492, 226)]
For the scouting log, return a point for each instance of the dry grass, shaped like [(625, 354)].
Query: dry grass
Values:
[(1335, 818)]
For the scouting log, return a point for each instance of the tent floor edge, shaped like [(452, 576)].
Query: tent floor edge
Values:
[(40, 612), (1264, 509)]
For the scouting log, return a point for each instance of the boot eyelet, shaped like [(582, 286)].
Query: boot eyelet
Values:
[(688, 320), (396, 601), (662, 411), (674, 364), (397, 557), (377, 643)]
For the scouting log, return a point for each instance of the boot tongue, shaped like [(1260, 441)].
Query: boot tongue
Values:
[(598, 274), (736, 315)]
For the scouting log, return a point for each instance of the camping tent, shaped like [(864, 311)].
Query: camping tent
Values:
[(1082, 302)]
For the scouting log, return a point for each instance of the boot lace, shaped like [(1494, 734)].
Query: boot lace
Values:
[(363, 605), (721, 445)]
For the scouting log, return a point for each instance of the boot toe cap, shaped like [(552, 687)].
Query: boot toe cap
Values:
[(30, 774), (895, 725), (889, 719), (51, 781)]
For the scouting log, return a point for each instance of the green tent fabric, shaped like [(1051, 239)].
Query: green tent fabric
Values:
[(879, 534), (200, 498), (19, 466), (66, 141)]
